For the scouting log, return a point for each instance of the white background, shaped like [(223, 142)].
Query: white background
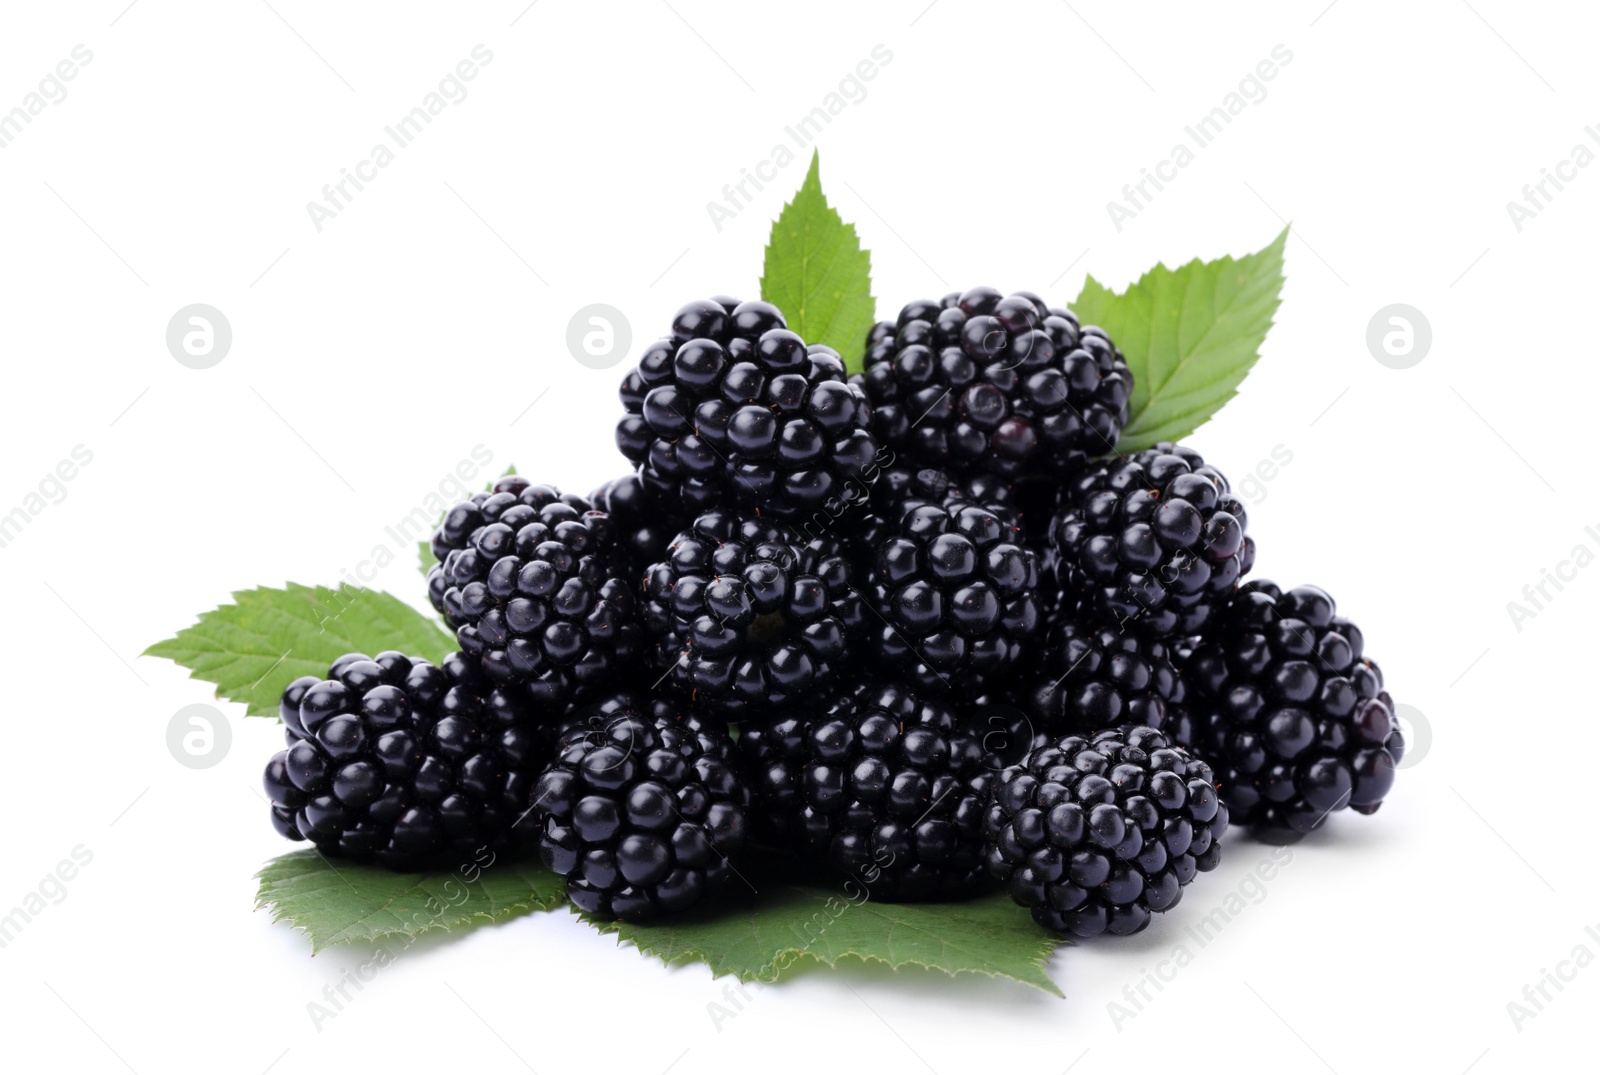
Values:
[(371, 357)]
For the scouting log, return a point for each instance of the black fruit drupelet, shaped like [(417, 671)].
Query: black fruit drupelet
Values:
[(732, 406), (955, 592), (1291, 712), (1001, 384), (1149, 543), (395, 760), (883, 783), (743, 611), (1094, 834), (538, 589), (645, 522), (1088, 678), (640, 815)]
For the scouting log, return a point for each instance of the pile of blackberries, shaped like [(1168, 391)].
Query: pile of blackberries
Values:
[(922, 627)]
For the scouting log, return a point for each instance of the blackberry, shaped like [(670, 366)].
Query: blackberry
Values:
[(882, 782), (1291, 712), (999, 384), (898, 489), (645, 522), (1150, 542), (538, 589), (744, 611), (659, 709), (1089, 678), (395, 760), (640, 815), (1094, 834), (955, 595), (732, 406)]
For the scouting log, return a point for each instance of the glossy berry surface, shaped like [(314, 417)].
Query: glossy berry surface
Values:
[(883, 784), (645, 522), (1291, 711), (955, 595), (397, 761), (745, 612), (1150, 543), (539, 590), (1085, 679), (733, 407), (1003, 384), (641, 816), (1096, 834)]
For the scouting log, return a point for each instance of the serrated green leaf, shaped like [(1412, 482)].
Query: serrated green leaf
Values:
[(756, 937), (250, 649), (816, 272), (1190, 336), (342, 903)]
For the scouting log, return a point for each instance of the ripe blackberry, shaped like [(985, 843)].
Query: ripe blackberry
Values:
[(732, 406), (882, 782), (1089, 678), (394, 760), (641, 816), (1291, 712), (955, 595), (645, 522), (898, 489), (744, 611), (657, 708), (538, 589), (1000, 384), (1149, 543), (1093, 834)]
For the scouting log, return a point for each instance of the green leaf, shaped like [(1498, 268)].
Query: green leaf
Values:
[(342, 903), (756, 937), (817, 273), (1189, 334), (267, 637)]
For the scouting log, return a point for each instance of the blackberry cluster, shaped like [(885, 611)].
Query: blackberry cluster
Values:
[(746, 612), (881, 783), (954, 590), (537, 587), (998, 384), (732, 406), (1089, 678), (1150, 543), (1095, 834), (641, 815), (921, 626), (1292, 711), (395, 760)]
